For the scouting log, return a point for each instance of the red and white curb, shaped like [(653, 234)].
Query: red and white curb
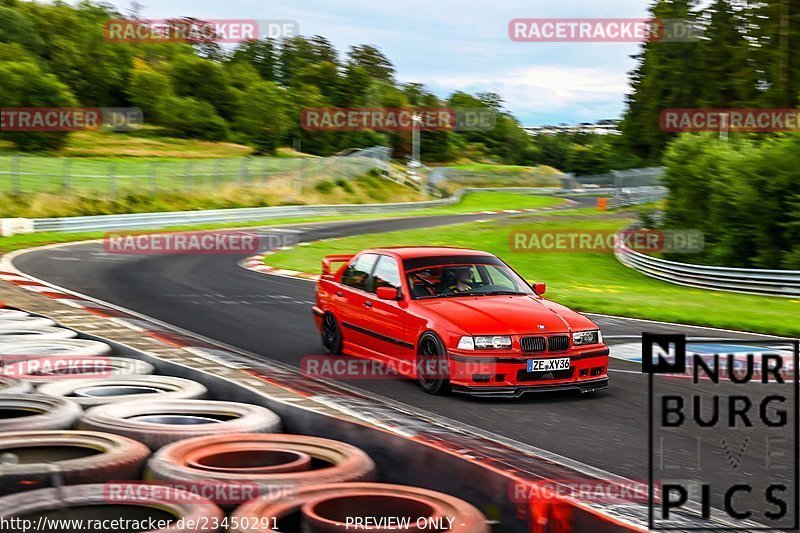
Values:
[(256, 264)]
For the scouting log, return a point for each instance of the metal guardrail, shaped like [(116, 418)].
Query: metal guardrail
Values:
[(785, 283)]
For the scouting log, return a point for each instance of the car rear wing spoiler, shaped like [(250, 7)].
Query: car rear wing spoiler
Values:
[(330, 259)]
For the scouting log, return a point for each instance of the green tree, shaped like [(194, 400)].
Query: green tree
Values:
[(24, 84), (261, 54), (77, 52), (147, 90), (190, 117), (203, 79), (372, 61), (261, 116), (666, 77), (18, 27)]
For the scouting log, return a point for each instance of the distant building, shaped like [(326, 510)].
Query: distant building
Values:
[(601, 127)]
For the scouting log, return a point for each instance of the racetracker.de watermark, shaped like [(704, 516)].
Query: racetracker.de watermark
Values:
[(752, 120), (323, 367), (182, 243), (609, 30), (397, 119), (59, 367), (70, 118), (221, 492), (585, 490), (195, 31), (607, 241)]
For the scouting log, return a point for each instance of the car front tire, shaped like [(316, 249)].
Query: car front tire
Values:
[(433, 369)]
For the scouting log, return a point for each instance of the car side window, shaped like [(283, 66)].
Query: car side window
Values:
[(357, 274), (387, 273)]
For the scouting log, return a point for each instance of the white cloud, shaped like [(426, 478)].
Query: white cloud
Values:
[(575, 92)]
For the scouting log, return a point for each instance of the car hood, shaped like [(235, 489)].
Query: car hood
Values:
[(510, 315)]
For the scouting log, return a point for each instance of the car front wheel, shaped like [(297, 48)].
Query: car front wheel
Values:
[(433, 370)]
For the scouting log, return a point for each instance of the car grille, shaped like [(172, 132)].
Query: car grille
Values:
[(558, 343), (533, 344), (525, 376)]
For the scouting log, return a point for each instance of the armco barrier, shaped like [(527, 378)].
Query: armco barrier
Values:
[(784, 283), (250, 214)]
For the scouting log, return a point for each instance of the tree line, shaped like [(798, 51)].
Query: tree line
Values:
[(56, 55), (747, 56), (743, 192)]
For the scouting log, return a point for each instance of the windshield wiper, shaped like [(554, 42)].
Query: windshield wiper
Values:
[(512, 293)]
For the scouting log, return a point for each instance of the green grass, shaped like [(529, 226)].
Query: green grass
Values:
[(487, 175), (588, 282), (468, 204), (146, 142), (487, 167), (493, 201)]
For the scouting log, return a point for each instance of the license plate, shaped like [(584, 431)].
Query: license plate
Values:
[(548, 365)]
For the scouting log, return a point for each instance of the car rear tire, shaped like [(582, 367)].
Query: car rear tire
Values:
[(432, 365), (331, 334)]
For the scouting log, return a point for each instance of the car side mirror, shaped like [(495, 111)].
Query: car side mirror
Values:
[(539, 288), (387, 293)]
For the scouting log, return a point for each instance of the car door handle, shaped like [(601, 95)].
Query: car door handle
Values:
[(368, 304), (339, 294)]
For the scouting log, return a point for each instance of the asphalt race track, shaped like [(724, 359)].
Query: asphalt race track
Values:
[(270, 316)]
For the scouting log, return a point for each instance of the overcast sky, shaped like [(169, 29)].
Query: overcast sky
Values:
[(461, 44)]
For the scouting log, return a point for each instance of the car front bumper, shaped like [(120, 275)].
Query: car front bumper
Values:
[(515, 392), (484, 373)]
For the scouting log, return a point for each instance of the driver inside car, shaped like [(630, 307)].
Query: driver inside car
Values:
[(462, 280)]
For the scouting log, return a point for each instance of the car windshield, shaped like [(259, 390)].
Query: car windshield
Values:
[(465, 279)]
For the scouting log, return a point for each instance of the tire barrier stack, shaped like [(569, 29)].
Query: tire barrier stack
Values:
[(87, 434)]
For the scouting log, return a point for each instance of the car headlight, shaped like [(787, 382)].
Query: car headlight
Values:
[(489, 342), (587, 337)]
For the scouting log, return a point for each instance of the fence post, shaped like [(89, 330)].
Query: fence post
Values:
[(65, 173), (153, 176), (187, 176), (618, 179), (243, 170), (265, 170), (15, 173), (112, 180)]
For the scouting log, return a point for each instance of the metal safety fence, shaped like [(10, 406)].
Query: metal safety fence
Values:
[(114, 178), (784, 283)]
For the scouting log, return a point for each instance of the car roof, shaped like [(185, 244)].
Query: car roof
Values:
[(413, 252)]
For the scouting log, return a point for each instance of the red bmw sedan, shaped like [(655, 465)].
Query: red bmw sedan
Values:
[(456, 320)]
